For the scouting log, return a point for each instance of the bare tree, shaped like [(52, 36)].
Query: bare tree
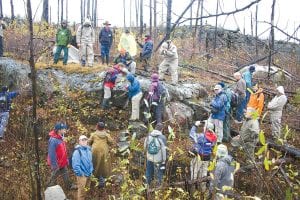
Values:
[(150, 20), (136, 12), (81, 11), (256, 38), (88, 4), (130, 14), (67, 10), (141, 17), (191, 16), (216, 27), (45, 14), (34, 103), (1, 9), (201, 21), (95, 13), (169, 18), (196, 23), (58, 11), (155, 16), (62, 10), (12, 9), (124, 12), (271, 38)]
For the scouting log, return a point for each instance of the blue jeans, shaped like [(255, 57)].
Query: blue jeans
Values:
[(105, 48), (4, 116), (154, 168), (59, 48), (247, 97), (157, 112), (240, 109)]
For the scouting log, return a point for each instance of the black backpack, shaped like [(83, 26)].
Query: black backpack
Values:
[(70, 157)]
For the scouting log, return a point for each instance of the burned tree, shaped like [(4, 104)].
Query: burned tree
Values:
[(271, 38), (12, 9), (169, 18), (45, 14), (141, 17)]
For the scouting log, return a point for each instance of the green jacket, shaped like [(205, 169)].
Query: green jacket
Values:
[(63, 37)]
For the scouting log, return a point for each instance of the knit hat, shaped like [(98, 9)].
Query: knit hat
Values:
[(280, 89), (101, 124), (252, 68), (154, 77), (222, 151), (59, 126), (222, 84)]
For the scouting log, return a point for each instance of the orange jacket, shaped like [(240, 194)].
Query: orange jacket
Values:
[(257, 100)]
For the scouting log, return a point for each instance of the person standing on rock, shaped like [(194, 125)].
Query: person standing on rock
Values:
[(275, 107), (248, 137), (147, 49), (5, 106), (217, 106), (101, 143), (109, 83), (106, 40), (85, 38), (155, 145), (57, 156), (169, 52), (135, 95), (63, 40), (125, 58), (156, 98), (82, 166), (240, 92), (247, 76), (203, 144)]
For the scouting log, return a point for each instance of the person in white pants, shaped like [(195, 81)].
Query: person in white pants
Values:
[(169, 51), (135, 95), (85, 38)]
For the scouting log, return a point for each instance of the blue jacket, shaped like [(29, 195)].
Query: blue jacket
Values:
[(10, 96), (218, 103), (82, 161), (134, 88), (147, 49), (247, 76), (106, 37)]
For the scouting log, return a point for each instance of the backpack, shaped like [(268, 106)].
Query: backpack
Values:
[(234, 100), (157, 92), (110, 76), (70, 157), (205, 144), (3, 102), (153, 148)]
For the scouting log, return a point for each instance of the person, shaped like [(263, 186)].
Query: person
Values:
[(57, 156), (127, 42), (147, 49), (218, 111), (106, 39), (223, 173), (5, 106), (109, 83), (85, 39), (257, 99), (125, 58), (155, 145), (156, 98), (82, 166), (101, 142), (247, 76), (203, 144), (135, 95), (240, 92), (2, 27), (275, 107), (226, 123), (169, 51), (63, 40), (248, 136)]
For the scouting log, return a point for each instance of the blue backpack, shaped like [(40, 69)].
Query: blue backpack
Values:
[(204, 145)]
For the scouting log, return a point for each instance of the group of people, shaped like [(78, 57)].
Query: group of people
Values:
[(90, 157)]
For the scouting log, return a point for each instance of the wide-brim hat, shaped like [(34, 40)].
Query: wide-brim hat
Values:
[(106, 23)]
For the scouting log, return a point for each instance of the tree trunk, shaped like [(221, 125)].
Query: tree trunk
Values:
[(62, 11), (95, 13), (12, 9), (124, 12), (81, 11), (58, 11), (155, 17), (136, 13), (150, 20), (141, 17), (34, 103), (1, 9), (88, 6), (84, 10), (50, 15), (196, 23), (45, 15), (67, 9), (130, 14), (271, 39), (201, 23), (191, 16), (216, 27), (256, 39), (169, 18)]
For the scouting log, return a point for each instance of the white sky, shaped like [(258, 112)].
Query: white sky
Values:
[(287, 15)]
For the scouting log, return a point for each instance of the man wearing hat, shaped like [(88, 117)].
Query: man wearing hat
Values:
[(217, 106), (169, 52), (125, 58), (82, 165), (147, 49), (57, 155), (63, 40), (105, 39), (247, 76), (275, 107)]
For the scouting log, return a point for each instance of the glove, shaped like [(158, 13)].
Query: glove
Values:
[(197, 123), (68, 45)]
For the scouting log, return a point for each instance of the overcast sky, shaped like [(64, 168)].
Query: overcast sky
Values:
[(287, 15)]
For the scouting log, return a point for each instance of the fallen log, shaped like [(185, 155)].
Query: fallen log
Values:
[(290, 150)]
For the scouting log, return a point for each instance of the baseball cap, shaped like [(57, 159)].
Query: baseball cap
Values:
[(83, 137), (59, 126)]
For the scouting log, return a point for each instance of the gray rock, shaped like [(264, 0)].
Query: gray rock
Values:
[(54, 193), (138, 128)]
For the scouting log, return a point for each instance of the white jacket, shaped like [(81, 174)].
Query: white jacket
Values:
[(169, 52), (85, 34), (276, 105)]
